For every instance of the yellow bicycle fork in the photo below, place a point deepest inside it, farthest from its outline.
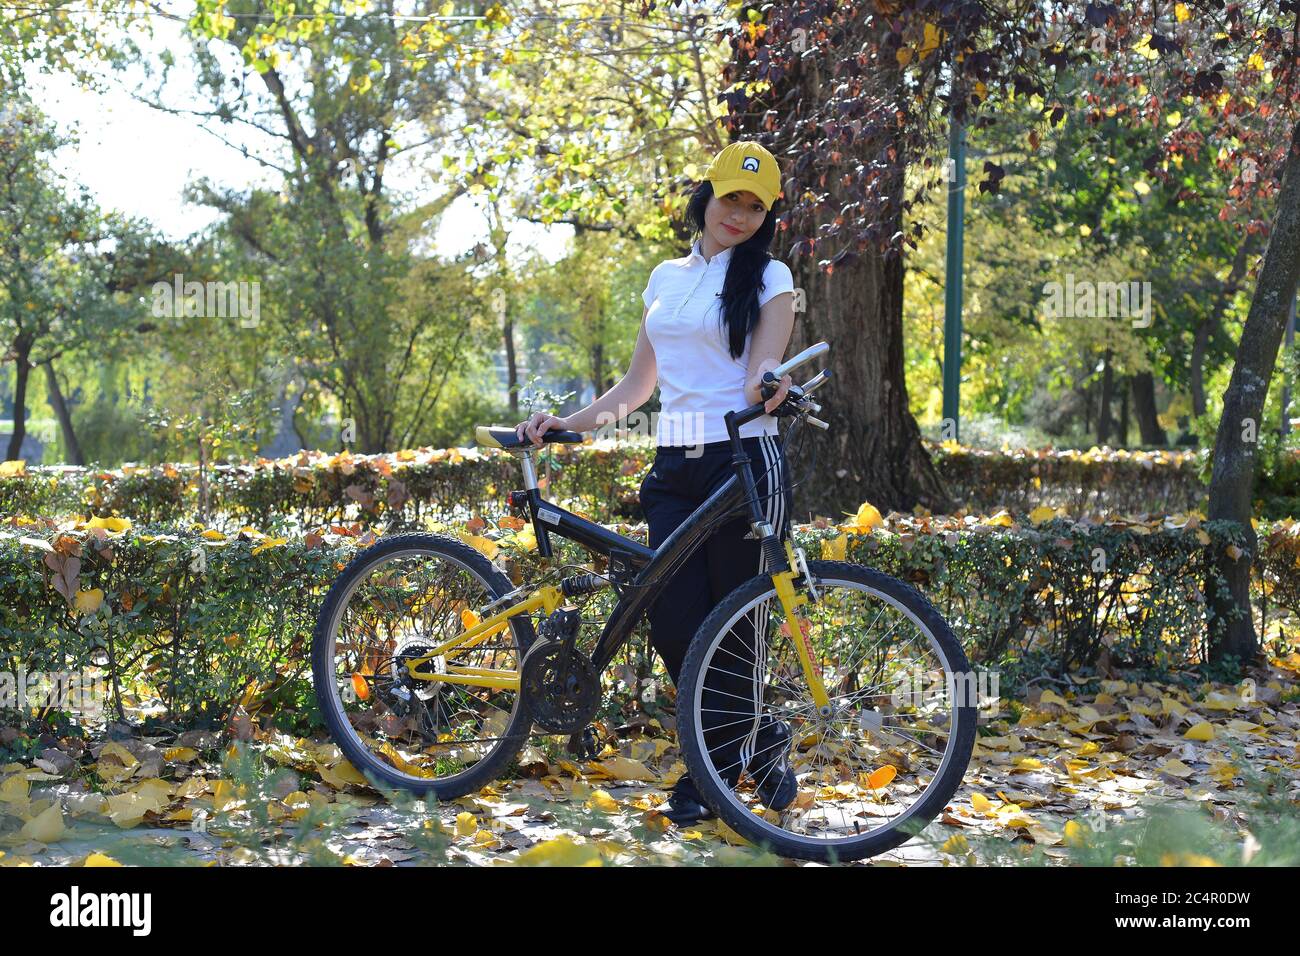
(790, 599)
(549, 598)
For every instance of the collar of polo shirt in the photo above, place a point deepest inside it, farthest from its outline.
(722, 256)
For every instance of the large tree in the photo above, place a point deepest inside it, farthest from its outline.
(57, 274)
(339, 106)
(1239, 66)
(1236, 443)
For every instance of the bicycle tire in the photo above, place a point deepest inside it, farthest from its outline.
(751, 826)
(485, 770)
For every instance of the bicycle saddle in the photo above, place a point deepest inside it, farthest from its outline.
(504, 436)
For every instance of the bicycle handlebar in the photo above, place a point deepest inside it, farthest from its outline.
(796, 401)
(807, 355)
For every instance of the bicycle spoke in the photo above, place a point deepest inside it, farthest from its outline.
(789, 686)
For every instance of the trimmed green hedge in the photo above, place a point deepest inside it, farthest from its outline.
(201, 633)
(391, 491)
(1101, 480)
(600, 479)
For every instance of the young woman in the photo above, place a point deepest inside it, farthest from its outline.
(715, 321)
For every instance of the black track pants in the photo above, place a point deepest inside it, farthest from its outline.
(675, 486)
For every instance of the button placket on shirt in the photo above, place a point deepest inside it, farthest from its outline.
(708, 264)
(690, 295)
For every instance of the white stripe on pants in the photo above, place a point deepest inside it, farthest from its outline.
(774, 514)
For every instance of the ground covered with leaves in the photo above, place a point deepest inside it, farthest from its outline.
(1085, 771)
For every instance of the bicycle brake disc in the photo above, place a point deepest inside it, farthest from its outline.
(561, 695)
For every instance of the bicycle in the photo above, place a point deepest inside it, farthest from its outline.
(431, 674)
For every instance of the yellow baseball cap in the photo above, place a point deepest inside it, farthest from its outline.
(742, 166)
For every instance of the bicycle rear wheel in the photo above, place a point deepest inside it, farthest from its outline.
(395, 602)
(875, 766)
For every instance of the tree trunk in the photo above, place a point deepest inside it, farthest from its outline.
(1123, 414)
(1144, 410)
(1103, 406)
(598, 367)
(1207, 326)
(1233, 476)
(512, 370)
(873, 450)
(60, 406)
(1196, 375)
(22, 355)
(286, 440)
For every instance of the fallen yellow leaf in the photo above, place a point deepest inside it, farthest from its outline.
(1002, 519)
(1042, 513)
(867, 518)
(109, 524)
(89, 601)
(47, 826)
(834, 549)
(624, 768)
(562, 851)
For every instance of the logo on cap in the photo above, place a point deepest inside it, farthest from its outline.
(750, 163)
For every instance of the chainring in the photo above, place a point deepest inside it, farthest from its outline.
(561, 698)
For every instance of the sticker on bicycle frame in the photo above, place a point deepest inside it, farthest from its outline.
(552, 517)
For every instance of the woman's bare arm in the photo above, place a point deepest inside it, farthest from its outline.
(767, 346)
(632, 391)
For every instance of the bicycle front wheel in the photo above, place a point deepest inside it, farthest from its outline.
(862, 773)
(410, 725)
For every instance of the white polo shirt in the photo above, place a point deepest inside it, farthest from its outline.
(699, 381)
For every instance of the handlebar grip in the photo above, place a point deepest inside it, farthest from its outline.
(807, 355)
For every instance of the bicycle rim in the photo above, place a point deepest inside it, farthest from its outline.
(395, 610)
(873, 771)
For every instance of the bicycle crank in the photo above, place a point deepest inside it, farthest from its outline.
(560, 687)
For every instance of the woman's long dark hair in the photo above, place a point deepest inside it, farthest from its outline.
(744, 281)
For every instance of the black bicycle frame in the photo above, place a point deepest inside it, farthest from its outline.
(653, 563)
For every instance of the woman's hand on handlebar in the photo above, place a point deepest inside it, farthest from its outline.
(783, 388)
(536, 426)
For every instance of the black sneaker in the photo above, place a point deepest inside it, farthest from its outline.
(775, 782)
(685, 805)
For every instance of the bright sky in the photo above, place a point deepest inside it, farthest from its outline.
(136, 159)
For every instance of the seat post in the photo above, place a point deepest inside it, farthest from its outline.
(530, 473)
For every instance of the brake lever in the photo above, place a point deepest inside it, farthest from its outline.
(805, 407)
(817, 381)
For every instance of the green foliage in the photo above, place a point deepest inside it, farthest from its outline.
(56, 36)
(56, 279)
(1060, 597)
(185, 621)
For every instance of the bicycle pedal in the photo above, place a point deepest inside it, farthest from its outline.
(585, 745)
